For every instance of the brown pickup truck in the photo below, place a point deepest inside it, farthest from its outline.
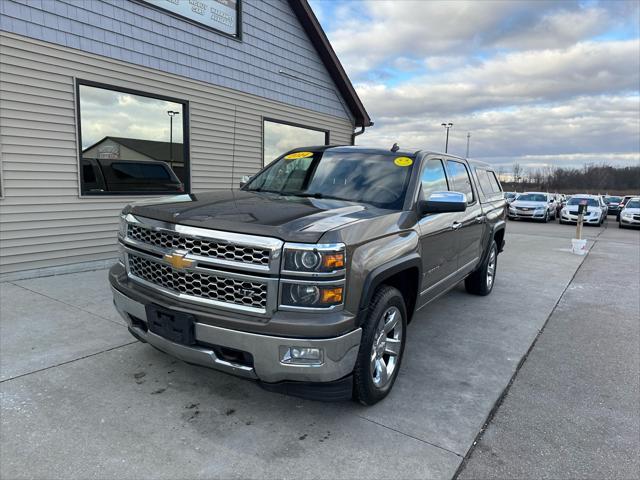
(305, 278)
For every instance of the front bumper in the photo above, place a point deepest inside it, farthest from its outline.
(569, 218)
(527, 214)
(629, 222)
(339, 352)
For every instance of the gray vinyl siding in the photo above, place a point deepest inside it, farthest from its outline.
(43, 220)
(272, 41)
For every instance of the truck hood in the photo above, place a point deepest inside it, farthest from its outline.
(289, 218)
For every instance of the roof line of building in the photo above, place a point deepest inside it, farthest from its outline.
(319, 39)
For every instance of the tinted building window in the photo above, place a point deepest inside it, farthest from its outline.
(131, 143)
(433, 178)
(280, 138)
(460, 178)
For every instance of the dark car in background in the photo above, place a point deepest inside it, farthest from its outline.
(614, 204)
(100, 175)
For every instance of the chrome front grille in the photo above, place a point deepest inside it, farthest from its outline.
(225, 270)
(201, 247)
(195, 284)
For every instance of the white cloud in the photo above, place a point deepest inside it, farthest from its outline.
(377, 32)
(538, 82)
(602, 129)
(588, 68)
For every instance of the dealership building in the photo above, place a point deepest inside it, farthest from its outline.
(105, 102)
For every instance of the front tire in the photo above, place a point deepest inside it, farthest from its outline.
(481, 281)
(382, 346)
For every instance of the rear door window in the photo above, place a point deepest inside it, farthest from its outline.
(495, 183)
(489, 185)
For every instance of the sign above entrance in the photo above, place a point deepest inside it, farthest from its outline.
(221, 15)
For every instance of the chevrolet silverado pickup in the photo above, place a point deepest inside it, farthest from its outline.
(306, 277)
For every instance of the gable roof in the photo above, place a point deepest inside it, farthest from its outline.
(320, 41)
(151, 148)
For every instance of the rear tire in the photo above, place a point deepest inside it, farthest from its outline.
(481, 281)
(382, 346)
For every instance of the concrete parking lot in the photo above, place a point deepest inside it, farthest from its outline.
(81, 399)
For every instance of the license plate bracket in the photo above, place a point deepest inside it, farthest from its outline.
(175, 326)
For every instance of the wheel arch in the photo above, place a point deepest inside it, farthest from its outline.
(403, 273)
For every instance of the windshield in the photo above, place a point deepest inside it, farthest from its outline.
(591, 202)
(633, 204)
(378, 179)
(612, 199)
(532, 197)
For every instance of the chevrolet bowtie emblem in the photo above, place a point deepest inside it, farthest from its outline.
(177, 260)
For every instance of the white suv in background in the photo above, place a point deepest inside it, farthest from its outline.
(533, 205)
(596, 210)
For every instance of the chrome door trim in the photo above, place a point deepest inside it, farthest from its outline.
(451, 275)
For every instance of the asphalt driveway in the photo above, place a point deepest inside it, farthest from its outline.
(80, 398)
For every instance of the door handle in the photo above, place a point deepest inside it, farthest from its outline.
(481, 218)
(456, 225)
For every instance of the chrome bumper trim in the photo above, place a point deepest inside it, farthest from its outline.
(339, 353)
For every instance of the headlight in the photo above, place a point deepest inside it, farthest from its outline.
(319, 269)
(302, 258)
(122, 228)
(627, 214)
(310, 295)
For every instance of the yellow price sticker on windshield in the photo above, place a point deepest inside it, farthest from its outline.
(403, 161)
(297, 155)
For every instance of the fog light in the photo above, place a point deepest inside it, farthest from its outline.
(301, 355)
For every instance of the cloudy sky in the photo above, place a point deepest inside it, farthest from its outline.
(536, 82)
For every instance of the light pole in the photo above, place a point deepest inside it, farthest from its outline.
(171, 114)
(446, 144)
(468, 137)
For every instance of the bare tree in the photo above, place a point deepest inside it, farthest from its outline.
(517, 172)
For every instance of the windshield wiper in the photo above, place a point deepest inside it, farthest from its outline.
(260, 189)
(316, 195)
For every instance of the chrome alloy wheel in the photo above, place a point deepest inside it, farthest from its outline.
(491, 268)
(387, 342)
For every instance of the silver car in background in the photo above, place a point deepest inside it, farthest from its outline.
(596, 212)
(630, 214)
(534, 206)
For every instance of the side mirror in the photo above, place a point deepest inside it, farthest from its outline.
(443, 202)
(244, 180)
